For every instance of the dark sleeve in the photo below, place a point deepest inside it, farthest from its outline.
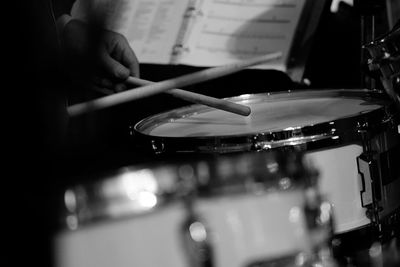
(61, 7)
(397, 25)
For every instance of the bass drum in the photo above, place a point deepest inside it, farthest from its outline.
(352, 137)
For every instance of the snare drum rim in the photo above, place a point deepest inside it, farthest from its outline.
(341, 131)
(114, 195)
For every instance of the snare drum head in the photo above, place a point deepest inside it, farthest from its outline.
(271, 113)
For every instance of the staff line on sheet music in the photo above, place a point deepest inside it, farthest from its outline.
(273, 20)
(285, 5)
(245, 36)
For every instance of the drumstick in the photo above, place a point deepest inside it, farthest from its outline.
(199, 99)
(191, 97)
(159, 87)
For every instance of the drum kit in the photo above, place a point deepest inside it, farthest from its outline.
(311, 178)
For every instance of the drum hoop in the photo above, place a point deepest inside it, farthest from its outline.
(93, 202)
(341, 131)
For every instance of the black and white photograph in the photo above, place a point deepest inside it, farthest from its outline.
(201, 133)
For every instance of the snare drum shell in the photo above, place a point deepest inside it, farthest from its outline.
(341, 183)
(255, 228)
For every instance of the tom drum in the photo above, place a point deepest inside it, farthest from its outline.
(243, 210)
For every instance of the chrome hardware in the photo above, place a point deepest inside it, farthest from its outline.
(323, 258)
(298, 140)
(319, 217)
(125, 192)
(131, 130)
(379, 184)
(366, 168)
(370, 170)
(299, 260)
(157, 146)
(194, 232)
(195, 236)
(341, 131)
(195, 241)
(384, 56)
(370, 191)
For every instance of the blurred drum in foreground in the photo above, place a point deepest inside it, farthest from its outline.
(237, 210)
(352, 136)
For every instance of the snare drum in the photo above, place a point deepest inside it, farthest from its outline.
(352, 136)
(242, 210)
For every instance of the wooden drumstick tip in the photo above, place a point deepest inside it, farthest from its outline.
(247, 113)
(216, 103)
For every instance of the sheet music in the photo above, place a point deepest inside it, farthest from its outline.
(158, 23)
(221, 32)
(230, 30)
(151, 26)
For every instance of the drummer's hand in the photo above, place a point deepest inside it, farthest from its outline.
(108, 57)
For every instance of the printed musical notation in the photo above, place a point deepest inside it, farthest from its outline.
(151, 26)
(154, 28)
(206, 32)
(238, 29)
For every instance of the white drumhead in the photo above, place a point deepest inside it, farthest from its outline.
(266, 116)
